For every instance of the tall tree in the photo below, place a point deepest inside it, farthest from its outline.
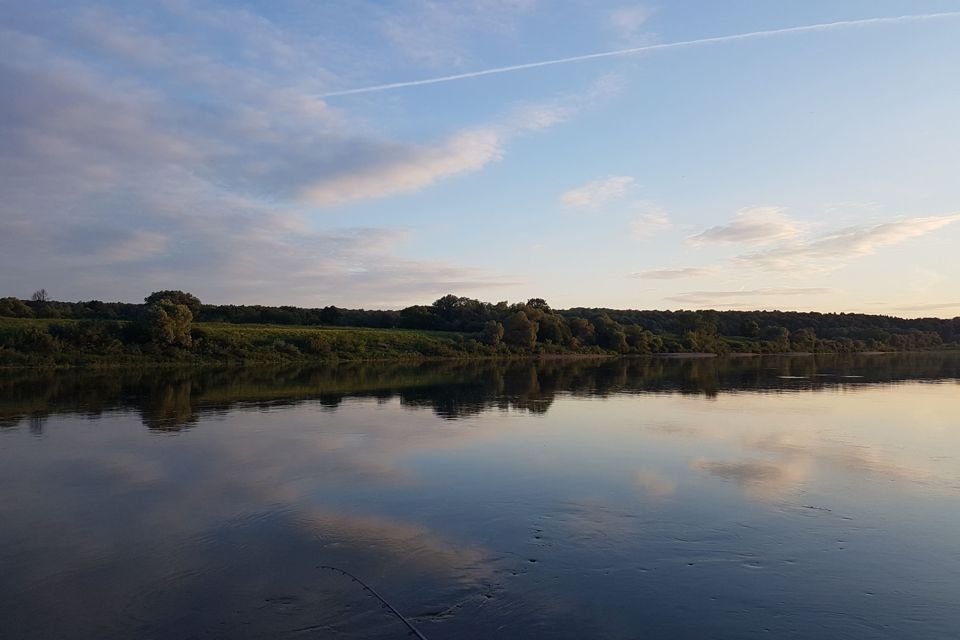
(610, 334)
(519, 331)
(492, 333)
(177, 297)
(553, 329)
(583, 331)
(168, 324)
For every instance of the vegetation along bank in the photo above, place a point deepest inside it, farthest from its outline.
(174, 326)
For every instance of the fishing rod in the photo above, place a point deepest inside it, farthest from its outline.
(369, 589)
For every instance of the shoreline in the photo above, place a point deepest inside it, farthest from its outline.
(537, 357)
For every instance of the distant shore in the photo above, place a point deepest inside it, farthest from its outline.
(174, 327)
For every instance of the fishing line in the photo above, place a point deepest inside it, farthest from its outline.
(376, 595)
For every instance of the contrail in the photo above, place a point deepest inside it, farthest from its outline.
(825, 26)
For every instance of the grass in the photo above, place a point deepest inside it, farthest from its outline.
(12, 325)
(333, 342)
(264, 331)
(225, 342)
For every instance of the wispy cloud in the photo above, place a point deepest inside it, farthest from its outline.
(650, 223)
(674, 274)
(597, 193)
(834, 250)
(182, 165)
(758, 479)
(140, 245)
(628, 21)
(434, 33)
(414, 169)
(654, 484)
(403, 168)
(933, 306)
(708, 297)
(755, 225)
(826, 26)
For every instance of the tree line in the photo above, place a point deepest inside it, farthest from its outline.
(168, 320)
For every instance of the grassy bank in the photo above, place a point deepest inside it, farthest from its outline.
(45, 342)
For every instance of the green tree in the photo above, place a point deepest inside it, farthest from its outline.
(14, 308)
(639, 340)
(539, 303)
(519, 331)
(553, 330)
(492, 333)
(168, 324)
(583, 331)
(447, 306)
(777, 338)
(803, 340)
(750, 329)
(610, 334)
(175, 296)
(330, 315)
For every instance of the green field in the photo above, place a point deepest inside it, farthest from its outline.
(334, 342)
(72, 342)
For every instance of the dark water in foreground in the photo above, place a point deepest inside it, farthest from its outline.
(751, 498)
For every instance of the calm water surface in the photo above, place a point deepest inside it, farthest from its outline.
(742, 498)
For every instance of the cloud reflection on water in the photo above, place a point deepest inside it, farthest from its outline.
(480, 496)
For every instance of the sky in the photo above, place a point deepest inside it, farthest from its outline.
(377, 154)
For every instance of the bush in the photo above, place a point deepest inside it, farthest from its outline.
(168, 324)
(14, 308)
(37, 340)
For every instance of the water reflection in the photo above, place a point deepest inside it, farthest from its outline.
(173, 399)
(798, 497)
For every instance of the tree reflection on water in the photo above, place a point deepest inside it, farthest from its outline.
(172, 399)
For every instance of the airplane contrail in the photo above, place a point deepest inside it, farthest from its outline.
(825, 26)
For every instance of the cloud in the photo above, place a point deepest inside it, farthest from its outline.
(756, 225)
(746, 472)
(406, 168)
(531, 117)
(265, 58)
(435, 33)
(833, 250)
(204, 159)
(139, 245)
(674, 274)
(776, 454)
(595, 194)
(648, 224)
(358, 266)
(934, 306)
(758, 479)
(415, 169)
(858, 459)
(627, 21)
(707, 297)
(653, 484)
(537, 117)
(284, 478)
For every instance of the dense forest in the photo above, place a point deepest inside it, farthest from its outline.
(176, 325)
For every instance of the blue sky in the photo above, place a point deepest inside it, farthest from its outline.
(210, 147)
